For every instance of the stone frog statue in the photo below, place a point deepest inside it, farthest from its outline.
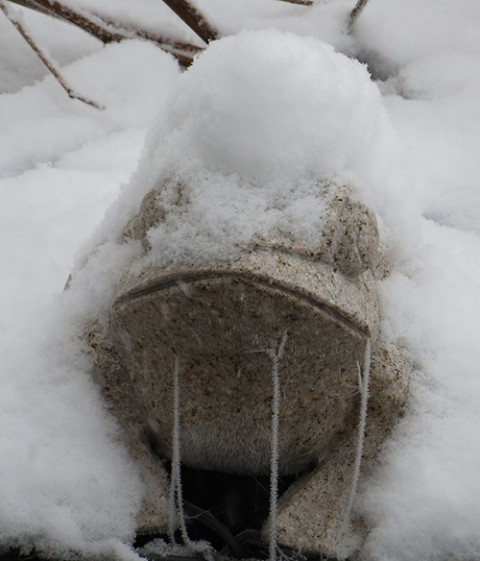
(269, 365)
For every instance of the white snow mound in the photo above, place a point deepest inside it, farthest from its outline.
(271, 104)
(255, 132)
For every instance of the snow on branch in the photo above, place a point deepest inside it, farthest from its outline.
(109, 31)
(275, 356)
(357, 10)
(50, 64)
(182, 51)
(193, 18)
(299, 2)
(82, 19)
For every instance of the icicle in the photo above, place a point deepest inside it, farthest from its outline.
(362, 421)
(176, 491)
(276, 357)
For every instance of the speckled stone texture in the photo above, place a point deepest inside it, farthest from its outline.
(221, 320)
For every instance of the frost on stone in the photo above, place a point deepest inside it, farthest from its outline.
(248, 223)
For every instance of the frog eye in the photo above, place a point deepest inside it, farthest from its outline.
(354, 243)
(151, 214)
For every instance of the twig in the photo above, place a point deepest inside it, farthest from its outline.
(176, 489)
(52, 67)
(364, 382)
(111, 32)
(275, 356)
(357, 10)
(193, 18)
(300, 2)
(82, 20)
(183, 52)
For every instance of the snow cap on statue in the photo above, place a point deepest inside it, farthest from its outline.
(269, 105)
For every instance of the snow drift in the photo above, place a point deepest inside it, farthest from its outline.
(62, 473)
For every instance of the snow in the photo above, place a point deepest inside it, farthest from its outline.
(246, 129)
(66, 482)
(324, 118)
(325, 125)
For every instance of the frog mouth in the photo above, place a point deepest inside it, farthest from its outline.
(221, 326)
(224, 330)
(351, 301)
(183, 280)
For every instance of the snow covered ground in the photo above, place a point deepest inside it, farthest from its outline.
(65, 481)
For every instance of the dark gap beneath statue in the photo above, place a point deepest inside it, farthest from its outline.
(227, 510)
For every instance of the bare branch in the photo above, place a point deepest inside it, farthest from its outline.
(183, 52)
(357, 10)
(300, 2)
(52, 67)
(89, 24)
(193, 18)
(110, 32)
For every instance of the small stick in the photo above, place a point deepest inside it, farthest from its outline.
(111, 32)
(354, 14)
(299, 2)
(182, 51)
(83, 20)
(363, 385)
(276, 356)
(44, 58)
(193, 18)
(176, 490)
